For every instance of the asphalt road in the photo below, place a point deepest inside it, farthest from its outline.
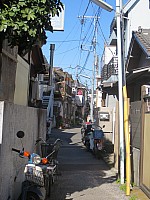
(83, 177)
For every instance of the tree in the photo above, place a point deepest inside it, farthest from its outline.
(24, 22)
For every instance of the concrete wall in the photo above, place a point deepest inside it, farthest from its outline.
(136, 165)
(21, 82)
(33, 122)
(8, 73)
(135, 122)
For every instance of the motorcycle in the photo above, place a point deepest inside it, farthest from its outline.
(97, 141)
(85, 132)
(38, 174)
(50, 151)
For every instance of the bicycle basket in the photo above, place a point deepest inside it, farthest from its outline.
(34, 174)
(46, 149)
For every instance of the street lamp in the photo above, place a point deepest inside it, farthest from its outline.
(103, 5)
(109, 8)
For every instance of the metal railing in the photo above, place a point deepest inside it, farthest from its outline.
(110, 69)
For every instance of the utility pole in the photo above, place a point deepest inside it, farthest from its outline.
(120, 87)
(51, 84)
(109, 8)
(76, 82)
(94, 65)
(94, 42)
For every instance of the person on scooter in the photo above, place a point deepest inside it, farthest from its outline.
(88, 127)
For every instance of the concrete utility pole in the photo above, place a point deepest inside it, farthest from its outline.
(120, 87)
(109, 8)
(94, 42)
(94, 65)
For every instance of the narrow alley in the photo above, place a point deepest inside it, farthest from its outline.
(83, 177)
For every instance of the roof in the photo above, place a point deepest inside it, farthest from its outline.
(126, 8)
(143, 39)
(140, 43)
(139, 49)
(129, 5)
(38, 60)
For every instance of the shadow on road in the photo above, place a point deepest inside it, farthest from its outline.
(81, 172)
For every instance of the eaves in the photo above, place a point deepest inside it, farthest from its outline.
(129, 5)
(136, 73)
(142, 45)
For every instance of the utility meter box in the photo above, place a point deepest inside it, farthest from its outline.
(145, 95)
(104, 116)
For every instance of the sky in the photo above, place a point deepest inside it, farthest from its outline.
(68, 53)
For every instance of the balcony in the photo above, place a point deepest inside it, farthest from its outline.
(110, 70)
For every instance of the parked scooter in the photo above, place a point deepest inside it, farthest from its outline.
(50, 151)
(97, 141)
(39, 173)
(33, 186)
(85, 132)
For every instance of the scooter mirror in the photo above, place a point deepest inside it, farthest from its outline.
(103, 126)
(38, 140)
(20, 134)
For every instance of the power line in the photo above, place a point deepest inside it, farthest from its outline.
(60, 41)
(80, 6)
(67, 36)
(85, 61)
(67, 51)
(105, 38)
(86, 9)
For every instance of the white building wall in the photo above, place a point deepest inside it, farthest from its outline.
(138, 15)
(109, 52)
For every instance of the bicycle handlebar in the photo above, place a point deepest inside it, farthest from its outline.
(16, 150)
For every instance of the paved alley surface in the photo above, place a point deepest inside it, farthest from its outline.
(83, 177)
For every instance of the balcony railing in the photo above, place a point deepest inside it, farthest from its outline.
(110, 69)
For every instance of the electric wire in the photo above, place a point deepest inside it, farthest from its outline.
(85, 40)
(60, 41)
(70, 33)
(96, 14)
(80, 54)
(67, 50)
(86, 9)
(94, 34)
(105, 39)
(67, 36)
(80, 7)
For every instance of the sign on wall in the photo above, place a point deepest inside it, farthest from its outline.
(57, 22)
(104, 116)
